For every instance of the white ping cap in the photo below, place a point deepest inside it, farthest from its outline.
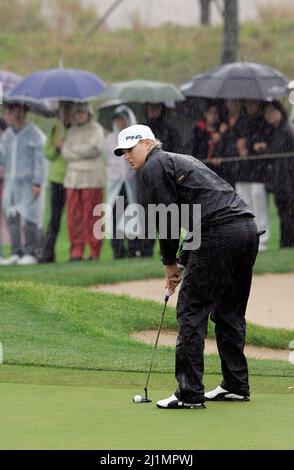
(130, 136)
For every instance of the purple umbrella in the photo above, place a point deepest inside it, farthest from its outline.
(60, 85)
(10, 81)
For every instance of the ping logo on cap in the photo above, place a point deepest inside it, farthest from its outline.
(132, 137)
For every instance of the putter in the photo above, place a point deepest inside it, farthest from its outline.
(146, 399)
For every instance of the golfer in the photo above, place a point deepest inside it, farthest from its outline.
(217, 276)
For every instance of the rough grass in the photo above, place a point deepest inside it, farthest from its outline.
(69, 327)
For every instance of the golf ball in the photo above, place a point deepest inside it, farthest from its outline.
(137, 399)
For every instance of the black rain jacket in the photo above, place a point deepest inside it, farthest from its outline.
(169, 178)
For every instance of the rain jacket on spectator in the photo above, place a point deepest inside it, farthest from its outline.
(226, 148)
(281, 170)
(23, 160)
(202, 145)
(164, 131)
(254, 130)
(82, 151)
(58, 164)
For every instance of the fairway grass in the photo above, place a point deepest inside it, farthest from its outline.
(94, 410)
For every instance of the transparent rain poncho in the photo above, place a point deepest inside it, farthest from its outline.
(23, 159)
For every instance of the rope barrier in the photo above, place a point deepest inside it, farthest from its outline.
(239, 159)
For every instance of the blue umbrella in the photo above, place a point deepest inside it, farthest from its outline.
(60, 85)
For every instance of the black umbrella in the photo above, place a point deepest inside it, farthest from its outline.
(238, 80)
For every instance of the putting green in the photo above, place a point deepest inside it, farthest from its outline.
(100, 414)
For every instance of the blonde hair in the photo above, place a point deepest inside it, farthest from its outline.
(155, 143)
(158, 143)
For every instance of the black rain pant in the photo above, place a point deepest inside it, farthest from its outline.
(216, 281)
(286, 213)
(58, 196)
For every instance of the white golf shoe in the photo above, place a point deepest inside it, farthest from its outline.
(10, 261)
(173, 402)
(27, 260)
(220, 394)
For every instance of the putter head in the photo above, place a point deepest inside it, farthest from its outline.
(146, 399)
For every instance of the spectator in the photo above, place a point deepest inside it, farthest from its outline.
(42, 205)
(251, 175)
(156, 119)
(282, 169)
(23, 158)
(2, 129)
(84, 180)
(56, 177)
(205, 134)
(121, 181)
(231, 141)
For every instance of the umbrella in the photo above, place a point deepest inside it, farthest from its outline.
(10, 81)
(143, 91)
(238, 80)
(106, 111)
(60, 85)
(44, 108)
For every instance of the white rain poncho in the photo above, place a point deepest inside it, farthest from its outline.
(24, 166)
